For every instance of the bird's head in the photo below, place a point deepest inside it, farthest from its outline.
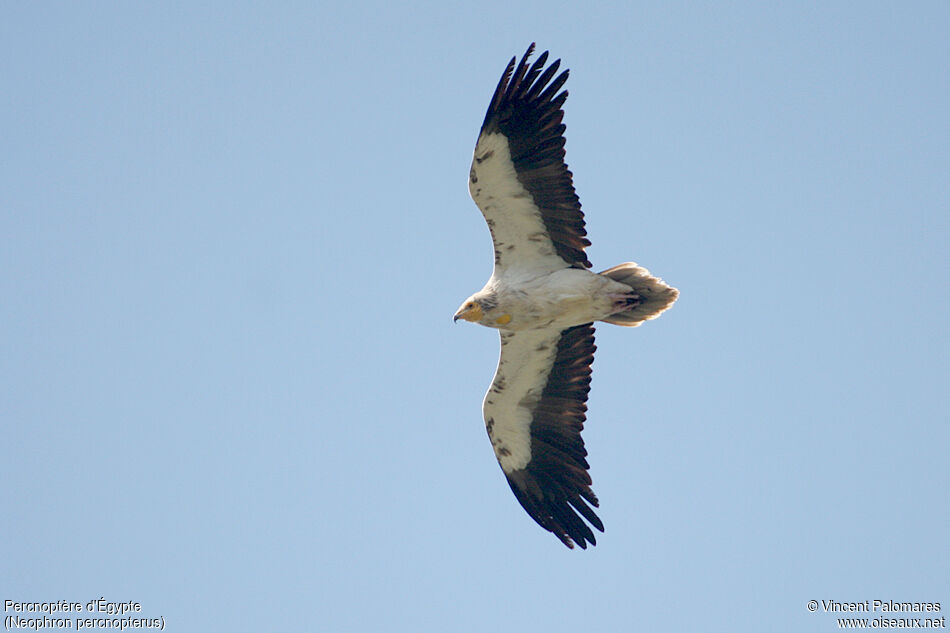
(482, 307)
(471, 310)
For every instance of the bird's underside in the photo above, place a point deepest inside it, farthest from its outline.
(543, 299)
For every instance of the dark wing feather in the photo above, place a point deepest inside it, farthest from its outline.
(555, 487)
(526, 109)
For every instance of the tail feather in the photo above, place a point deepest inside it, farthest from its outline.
(651, 295)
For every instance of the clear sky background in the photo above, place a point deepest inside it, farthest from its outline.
(233, 239)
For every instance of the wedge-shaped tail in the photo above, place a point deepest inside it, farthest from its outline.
(652, 295)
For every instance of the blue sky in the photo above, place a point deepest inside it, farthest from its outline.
(234, 238)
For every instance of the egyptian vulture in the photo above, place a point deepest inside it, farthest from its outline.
(543, 300)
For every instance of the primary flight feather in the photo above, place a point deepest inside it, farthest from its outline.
(543, 300)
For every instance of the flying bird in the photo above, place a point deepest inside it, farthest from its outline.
(543, 300)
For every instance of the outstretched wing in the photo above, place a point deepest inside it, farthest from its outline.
(518, 177)
(534, 414)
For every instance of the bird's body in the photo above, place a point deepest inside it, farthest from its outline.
(556, 299)
(543, 299)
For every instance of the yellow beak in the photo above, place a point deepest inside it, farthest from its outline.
(469, 313)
